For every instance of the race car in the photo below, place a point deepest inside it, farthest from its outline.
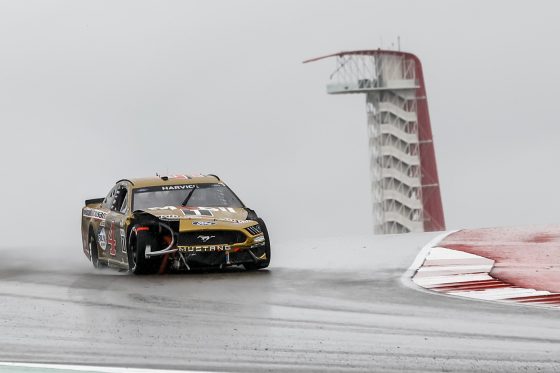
(178, 222)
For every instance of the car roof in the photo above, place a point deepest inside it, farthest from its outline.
(171, 180)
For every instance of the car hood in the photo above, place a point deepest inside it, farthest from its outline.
(194, 218)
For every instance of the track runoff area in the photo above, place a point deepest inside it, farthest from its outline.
(512, 265)
(473, 300)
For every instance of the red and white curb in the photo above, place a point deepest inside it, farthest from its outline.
(462, 274)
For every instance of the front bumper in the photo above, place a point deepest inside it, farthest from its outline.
(235, 256)
(213, 247)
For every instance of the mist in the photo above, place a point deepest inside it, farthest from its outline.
(95, 91)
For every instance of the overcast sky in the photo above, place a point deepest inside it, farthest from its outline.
(94, 91)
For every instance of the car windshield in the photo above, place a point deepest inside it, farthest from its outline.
(207, 195)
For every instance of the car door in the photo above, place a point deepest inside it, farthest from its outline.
(100, 224)
(116, 226)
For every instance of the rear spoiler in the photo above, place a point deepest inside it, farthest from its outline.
(94, 201)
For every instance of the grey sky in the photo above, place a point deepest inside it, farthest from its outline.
(92, 91)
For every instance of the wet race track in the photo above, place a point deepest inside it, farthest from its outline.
(330, 305)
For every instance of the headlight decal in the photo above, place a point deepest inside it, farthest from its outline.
(254, 229)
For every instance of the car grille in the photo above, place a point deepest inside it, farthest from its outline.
(211, 259)
(203, 238)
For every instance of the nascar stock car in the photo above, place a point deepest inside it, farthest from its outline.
(178, 222)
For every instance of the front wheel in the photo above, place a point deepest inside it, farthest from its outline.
(262, 263)
(137, 261)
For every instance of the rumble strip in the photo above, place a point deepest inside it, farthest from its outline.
(457, 273)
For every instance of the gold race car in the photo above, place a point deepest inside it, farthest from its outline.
(179, 222)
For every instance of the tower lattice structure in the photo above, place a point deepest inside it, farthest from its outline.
(404, 179)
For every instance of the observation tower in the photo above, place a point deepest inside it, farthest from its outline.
(404, 178)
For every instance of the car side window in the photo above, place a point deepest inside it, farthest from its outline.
(119, 201)
(124, 205)
(108, 201)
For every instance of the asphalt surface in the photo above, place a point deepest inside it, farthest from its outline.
(324, 305)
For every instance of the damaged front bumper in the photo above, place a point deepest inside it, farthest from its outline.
(191, 249)
(212, 258)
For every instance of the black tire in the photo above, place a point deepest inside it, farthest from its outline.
(137, 261)
(94, 251)
(261, 263)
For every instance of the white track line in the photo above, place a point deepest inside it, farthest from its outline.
(419, 260)
(499, 294)
(444, 270)
(441, 256)
(452, 279)
(91, 369)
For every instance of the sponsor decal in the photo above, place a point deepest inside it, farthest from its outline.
(94, 214)
(111, 240)
(169, 217)
(102, 239)
(175, 212)
(206, 211)
(183, 177)
(197, 211)
(203, 223)
(199, 249)
(178, 187)
(123, 240)
(163, 208)
(234, 220)
(205, 238)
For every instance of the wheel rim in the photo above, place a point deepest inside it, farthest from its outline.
(134, 255)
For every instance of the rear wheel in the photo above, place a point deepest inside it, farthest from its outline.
(260, 264)
(94, 251)
(137, 261)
